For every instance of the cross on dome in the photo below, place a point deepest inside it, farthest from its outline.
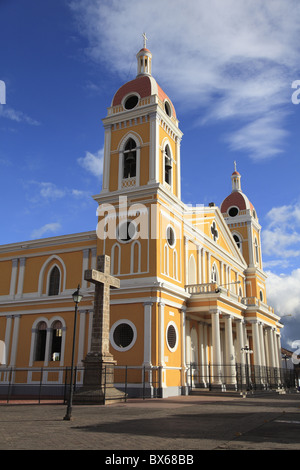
(145, 40)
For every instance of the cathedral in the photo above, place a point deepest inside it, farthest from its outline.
(192, 302)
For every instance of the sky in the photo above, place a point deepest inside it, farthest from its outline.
(232, 71)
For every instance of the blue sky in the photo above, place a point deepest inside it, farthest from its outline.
(227, 65)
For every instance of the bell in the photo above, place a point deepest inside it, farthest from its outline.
(130, 158)
(168, 165)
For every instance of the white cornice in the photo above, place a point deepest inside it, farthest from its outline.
(47, 242)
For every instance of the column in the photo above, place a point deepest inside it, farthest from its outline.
(199, 264)
(240, 341)
(262, 346)
(270, 347)
(203, 266)
(187, 342)
(275, 348)
(147, 333)
(216, 347)
(230, 359)
(256, 343)
(202, 378)
(47, 348)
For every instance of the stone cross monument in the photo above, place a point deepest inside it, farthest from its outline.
(99, 363)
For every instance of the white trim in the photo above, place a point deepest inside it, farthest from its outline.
(172, 323)
(138, 140)
(132, 93)
(111, 335)
(42, 273)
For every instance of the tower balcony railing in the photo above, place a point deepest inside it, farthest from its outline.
(212, 288)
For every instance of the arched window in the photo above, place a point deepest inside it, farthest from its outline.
(40, 345)
(54, 281)
(237, 241)
(56, 341)
(129, 162)
(168, 165)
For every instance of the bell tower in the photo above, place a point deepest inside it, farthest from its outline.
(142, 137)
(241, 218)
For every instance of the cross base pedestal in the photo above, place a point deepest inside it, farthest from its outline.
(98, 382)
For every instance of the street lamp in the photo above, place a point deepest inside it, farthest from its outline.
(77, 298)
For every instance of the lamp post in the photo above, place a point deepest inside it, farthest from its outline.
(77, 298)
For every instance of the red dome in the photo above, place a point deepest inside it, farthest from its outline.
(237, 199)
(145, 86)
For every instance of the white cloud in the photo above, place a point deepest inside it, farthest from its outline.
(50, 191)
(17, 116)
(93, 163)
(52, 228)
(281, 237)
(226, 59)
(284, 293)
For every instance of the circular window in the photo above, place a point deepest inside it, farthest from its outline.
(131, 102)
(168, 108)
(233, 211)
(123, 335)
(171, 239)
(126, 231)
(172, 336)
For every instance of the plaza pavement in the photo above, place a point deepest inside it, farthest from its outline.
(187, 423)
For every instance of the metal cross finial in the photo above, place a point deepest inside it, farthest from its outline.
(145, 40)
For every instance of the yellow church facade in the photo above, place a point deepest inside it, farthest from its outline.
(192, 296)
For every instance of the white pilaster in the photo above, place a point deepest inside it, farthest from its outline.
(13, 279)
(106, 159)
(21, 277)
(15, 339)
(85, 265)
(147, 333)
(9, 319)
